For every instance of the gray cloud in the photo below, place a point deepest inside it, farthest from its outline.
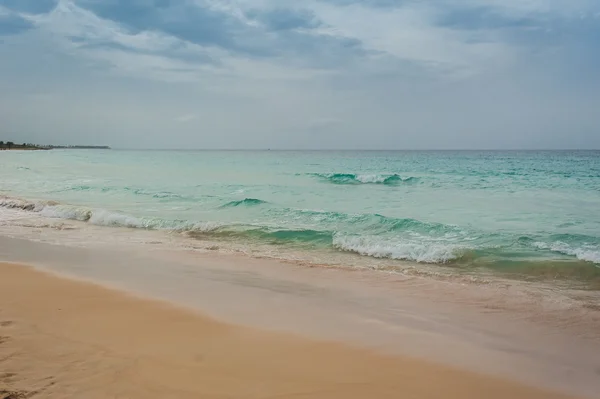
(321, 74)
(279, 19)
(198, 25)
(482, 17)
(13, 24)
(370, 3)
(201, 24)
(30, 6)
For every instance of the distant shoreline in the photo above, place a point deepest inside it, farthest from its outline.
(45, 148)
(24, 149)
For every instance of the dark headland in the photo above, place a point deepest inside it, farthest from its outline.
(9, 145)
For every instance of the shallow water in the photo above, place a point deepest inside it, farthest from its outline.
(528, 215)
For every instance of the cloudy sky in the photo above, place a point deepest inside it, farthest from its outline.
(402, 74)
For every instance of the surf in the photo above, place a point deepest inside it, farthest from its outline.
(355, 179)
(244, 202)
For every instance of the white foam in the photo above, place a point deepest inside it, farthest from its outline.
(107, 218)
(205, 227)
(16, 203)
(377, 247)
(25, 205)
(588, 253)
(65, 212)
(371, 178)
(102, 217)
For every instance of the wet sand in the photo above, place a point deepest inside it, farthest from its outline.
(64, 338)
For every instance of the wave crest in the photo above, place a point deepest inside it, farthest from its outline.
(16, 203)
(371, 235)
(377, 247)
(66, 212)
(352, 178)
(244, 202)
(585, 252)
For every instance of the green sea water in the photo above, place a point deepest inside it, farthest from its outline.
(532, 214)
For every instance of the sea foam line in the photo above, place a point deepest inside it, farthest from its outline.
(586, 252)
(377, 247)
(383, 237)
(102, 217)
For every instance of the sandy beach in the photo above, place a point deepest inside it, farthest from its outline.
(62, 338)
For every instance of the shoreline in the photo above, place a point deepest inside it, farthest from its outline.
(62, 337)
(75, 147)
(569, 272)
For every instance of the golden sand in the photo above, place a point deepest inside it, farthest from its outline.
(61, 338)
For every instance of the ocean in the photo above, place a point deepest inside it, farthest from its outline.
(479, 215)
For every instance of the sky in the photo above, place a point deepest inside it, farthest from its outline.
(312, 74)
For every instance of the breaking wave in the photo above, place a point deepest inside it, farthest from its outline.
(351, 178)
(585, 251)
(244, 202)
(102, 217)
(378, 247)
(66, 212)
(370, 235)
(325, 237)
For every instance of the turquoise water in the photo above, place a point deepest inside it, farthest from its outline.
(530, 213)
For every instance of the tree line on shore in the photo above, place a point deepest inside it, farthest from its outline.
(10, 145)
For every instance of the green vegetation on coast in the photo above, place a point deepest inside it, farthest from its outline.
(9, 145)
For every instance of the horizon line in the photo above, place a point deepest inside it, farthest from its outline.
(353, 149)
